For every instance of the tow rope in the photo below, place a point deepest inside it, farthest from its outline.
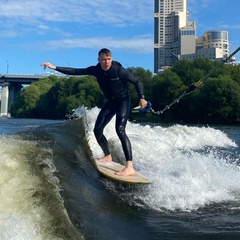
(188, 90)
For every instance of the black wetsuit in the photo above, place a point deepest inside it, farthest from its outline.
(114, 84)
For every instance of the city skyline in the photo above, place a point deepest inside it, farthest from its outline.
(71, 33)
(175, 36)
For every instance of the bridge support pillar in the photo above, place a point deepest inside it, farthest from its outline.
(4, 100)
(9, 93)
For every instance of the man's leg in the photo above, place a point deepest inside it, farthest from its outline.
(104, 117)
(122, 113)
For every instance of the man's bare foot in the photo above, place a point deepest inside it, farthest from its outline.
(107, 158)
(127, 171)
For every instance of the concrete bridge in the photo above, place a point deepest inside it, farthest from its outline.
(11, 86)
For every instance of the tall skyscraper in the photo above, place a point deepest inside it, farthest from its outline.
(175, 37)
(169, 17)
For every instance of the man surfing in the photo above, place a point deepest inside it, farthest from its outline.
(113, 79)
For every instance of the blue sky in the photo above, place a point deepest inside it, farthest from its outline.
(71, 32)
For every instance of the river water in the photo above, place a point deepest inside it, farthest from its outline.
(49, 188)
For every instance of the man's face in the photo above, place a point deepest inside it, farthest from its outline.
(105, 61)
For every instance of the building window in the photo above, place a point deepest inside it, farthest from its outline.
(225, 36)
(156, 7)
(188, 32)
(216, 35)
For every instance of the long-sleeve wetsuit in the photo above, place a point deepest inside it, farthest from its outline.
(114, 84)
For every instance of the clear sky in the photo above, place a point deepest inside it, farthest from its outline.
(71, 32)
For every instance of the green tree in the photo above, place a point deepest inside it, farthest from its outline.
(218, 101)
(145, 77)
(71, 93)
(182, 68)
(166, 87)
(233, 71)
(28, 99)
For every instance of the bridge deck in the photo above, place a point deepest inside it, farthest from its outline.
(21, 79)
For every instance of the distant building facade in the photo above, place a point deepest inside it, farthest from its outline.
(175, 37)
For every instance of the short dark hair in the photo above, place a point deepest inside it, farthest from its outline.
(104, 51)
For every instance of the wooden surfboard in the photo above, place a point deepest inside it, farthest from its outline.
(108, 169)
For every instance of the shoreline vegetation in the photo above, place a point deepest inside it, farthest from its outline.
(217, 101)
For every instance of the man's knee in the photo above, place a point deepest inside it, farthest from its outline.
(97, 131)
(120, 131)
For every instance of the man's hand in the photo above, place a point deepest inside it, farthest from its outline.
(48, 64)
(143, 103)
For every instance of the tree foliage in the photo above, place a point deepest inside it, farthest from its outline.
(54, 98)
(217, 100)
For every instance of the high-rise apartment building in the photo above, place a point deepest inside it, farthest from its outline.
(175, 37)
(169, 17)
(217, 39)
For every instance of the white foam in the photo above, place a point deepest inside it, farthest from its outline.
(13, 227)
(185, 176)
(22, 214)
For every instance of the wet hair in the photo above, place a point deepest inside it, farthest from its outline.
(104, 51)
